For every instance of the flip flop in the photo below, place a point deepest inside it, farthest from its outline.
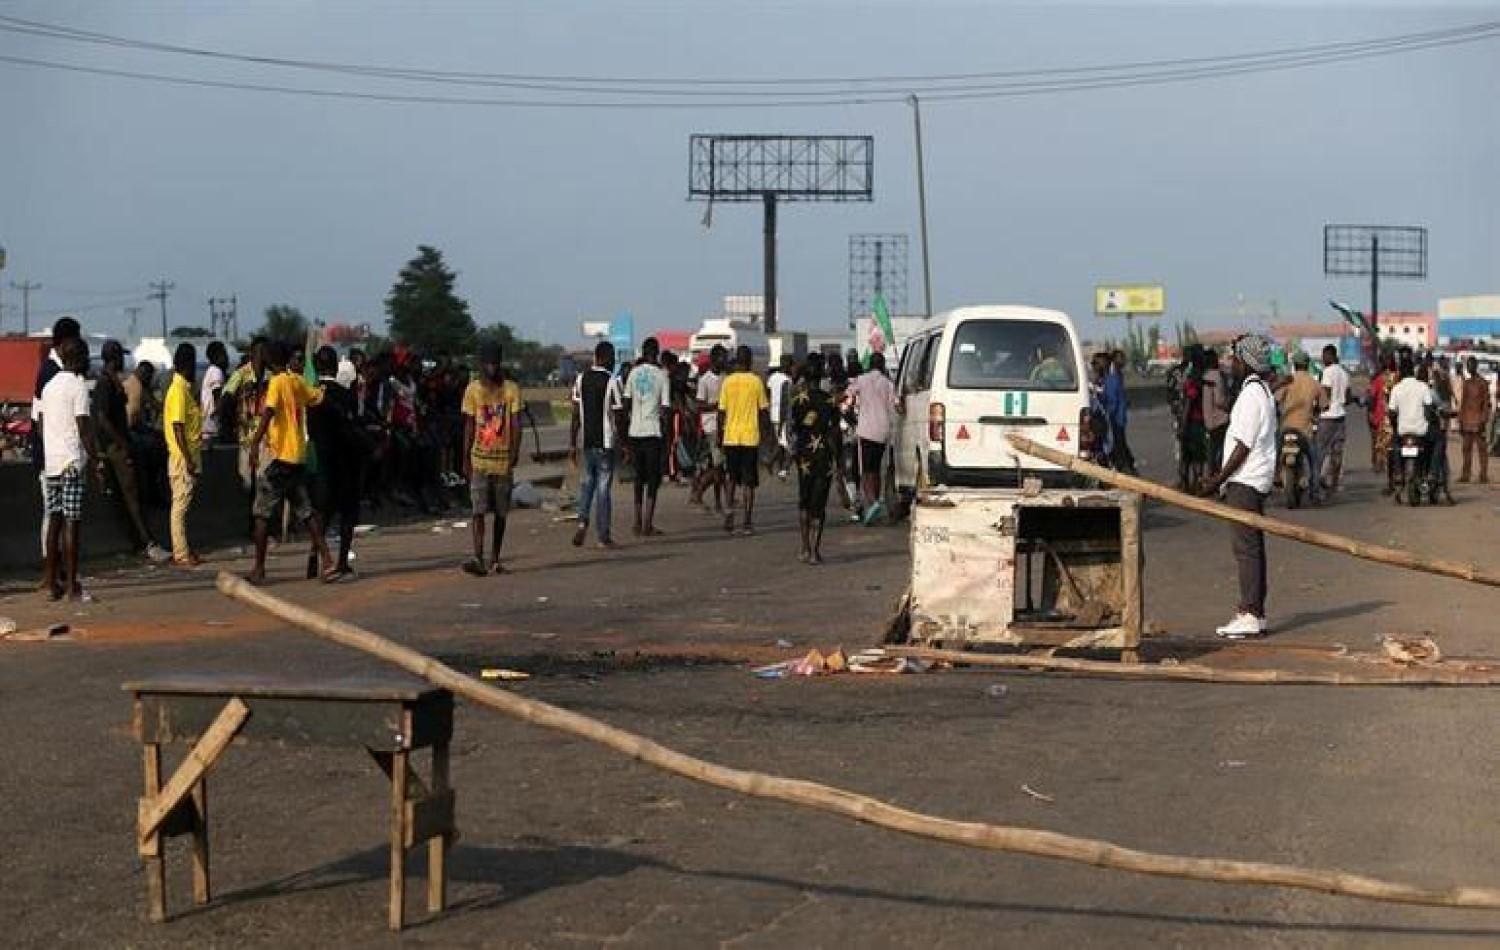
(498, 568)
(474, 568)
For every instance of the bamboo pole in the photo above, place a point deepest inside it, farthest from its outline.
(1322, 539)
(1198, 673)
(861, 808)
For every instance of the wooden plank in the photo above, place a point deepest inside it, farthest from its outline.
(376, 687)
(156, 868)
(1130, 569)
(375, 724)
(437, 846)
(426, 817)
(399, 766)
(200, 758)
(853, 805)
(201, 889)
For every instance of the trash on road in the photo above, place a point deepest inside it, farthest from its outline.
(7, 626)
(544, 599)
(1411, 651)
(460, 525)
(360, 530)
(496, 673)
(784, 644)
(996, 690)
(1039, 796)
(58, 631)
(525, 495)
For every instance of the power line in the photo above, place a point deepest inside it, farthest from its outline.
(553, 82)
(160, 289)
(1241, 64)
(26, 287)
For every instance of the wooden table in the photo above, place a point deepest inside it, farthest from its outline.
(390, 716)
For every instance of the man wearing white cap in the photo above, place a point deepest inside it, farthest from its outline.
(1246, 475)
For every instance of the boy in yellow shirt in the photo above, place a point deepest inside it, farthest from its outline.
(492, 444)
(743, 410)
(182, 418)
(282, 426)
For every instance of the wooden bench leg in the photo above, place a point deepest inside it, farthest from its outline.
(437, 846)
(399, 767)
(151, 849)
(202, 893)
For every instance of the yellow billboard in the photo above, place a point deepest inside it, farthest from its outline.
(1121, 299)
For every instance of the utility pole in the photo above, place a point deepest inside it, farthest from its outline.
(1375, 288)
(916, 116)
(160, 290)
(26, 287)
(769, 304)
(132, 314)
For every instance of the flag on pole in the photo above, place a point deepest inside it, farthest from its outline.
(886, 337)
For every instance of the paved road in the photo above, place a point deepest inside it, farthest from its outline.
(566, 845)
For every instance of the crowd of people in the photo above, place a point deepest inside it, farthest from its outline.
(713, 427)
(1231, 415)
(319, 439)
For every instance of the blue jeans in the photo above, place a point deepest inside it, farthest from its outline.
(594, 490)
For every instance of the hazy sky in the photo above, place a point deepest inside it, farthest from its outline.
(1219, 189)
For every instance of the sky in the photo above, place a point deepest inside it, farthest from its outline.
(1218, 189)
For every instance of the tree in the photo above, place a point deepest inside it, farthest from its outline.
(285, 324)
(423, 310)
(190, 333)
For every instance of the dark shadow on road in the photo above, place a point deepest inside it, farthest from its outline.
(507, 875)
(1310, 618)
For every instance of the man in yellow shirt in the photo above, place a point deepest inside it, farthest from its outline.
(1300, 401)
(492, 443)
(743, 410)
(182, 420)
(283, 427)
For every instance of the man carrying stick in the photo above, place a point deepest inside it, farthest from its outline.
(1246, 475)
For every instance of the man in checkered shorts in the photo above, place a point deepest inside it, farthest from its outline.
(68, 443)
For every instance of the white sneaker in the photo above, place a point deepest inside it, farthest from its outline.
(1242, 627)
(156, 554)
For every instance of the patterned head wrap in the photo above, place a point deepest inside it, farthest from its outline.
(1254, 351)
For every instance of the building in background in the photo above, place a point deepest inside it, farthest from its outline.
(1416, 329)
(1310, 338)
(1469, 319)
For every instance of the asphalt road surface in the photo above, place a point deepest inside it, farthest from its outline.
(567, 845)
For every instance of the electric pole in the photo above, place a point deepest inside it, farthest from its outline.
(160, 290)
(26, 287)
(916, 117)
(131, 314)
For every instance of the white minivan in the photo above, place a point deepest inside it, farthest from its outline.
(970, 377)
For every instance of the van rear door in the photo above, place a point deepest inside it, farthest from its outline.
(1010, 375)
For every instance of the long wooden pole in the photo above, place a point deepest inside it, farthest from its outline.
(851, 804)
(1322, 539)
(1198, 673)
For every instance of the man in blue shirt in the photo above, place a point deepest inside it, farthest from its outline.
(1116, 407)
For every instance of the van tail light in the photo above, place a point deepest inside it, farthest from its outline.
(1085, 433)
(935, 417)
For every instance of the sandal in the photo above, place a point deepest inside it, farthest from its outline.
(473, 568)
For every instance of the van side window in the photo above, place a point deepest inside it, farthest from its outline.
(909, 357)
(929, 362)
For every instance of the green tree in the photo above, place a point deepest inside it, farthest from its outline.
(527, 360)
(423, 310)
(285, 324)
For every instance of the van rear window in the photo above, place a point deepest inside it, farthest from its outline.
(1012, 354)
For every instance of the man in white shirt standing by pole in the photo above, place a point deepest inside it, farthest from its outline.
(1330, 432)
(1246, 475)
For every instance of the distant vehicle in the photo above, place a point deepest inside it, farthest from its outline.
(730, 334)
(974, 375)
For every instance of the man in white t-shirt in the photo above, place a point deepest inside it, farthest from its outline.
(1410, 402)
(710, 451)
(647, 399)
(1246, 475)
(1330, 432)
(779, 385)
(68, 445)
(212, 386)
(874, 398)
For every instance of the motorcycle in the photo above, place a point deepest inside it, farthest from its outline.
(15, 430)
(1295, 465)
(1413, 470)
